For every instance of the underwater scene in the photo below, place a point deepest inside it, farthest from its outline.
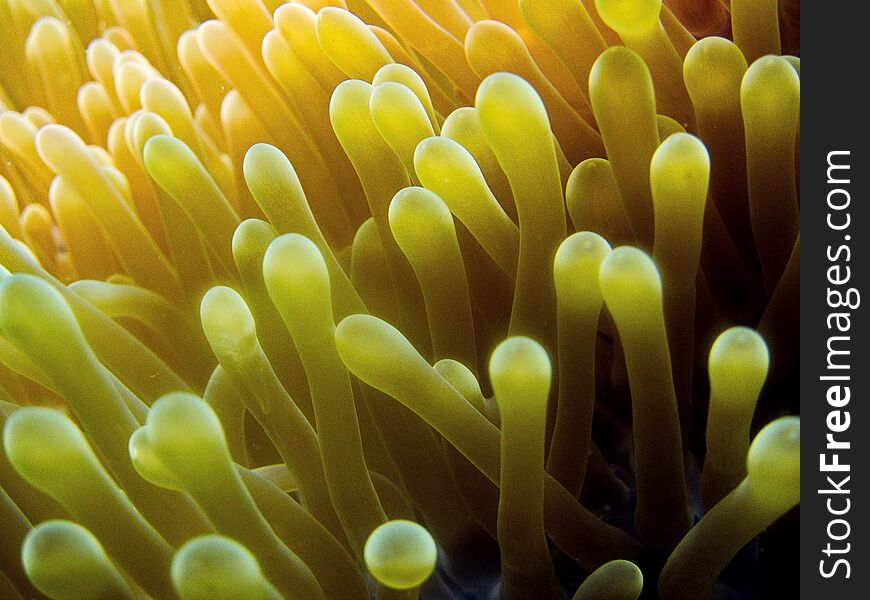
(399, 299)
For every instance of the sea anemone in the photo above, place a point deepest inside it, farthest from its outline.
(373, 298)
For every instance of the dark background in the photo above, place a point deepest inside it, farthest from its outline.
(834, 116)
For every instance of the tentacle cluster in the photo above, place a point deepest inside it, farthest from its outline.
(396, 299)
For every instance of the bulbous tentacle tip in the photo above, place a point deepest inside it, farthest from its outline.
(215, 567)
(182, 430)
(707, 66)
(459, 376)
(53, 138)
(739, 354)
(405, 75)
(294, 271)
(25, 300)
(627, 276)
(771, 85)
(507, 103)
(147, 464)
(391, 98)
(248, 233)
(400, 554)
(629, 18)
(520, 368)
(350, 93)
(259, 159)
(415, 209)
(396, 72)
(365, 339)
(353, 326)
(613, 67)
(36, 439)
(228, 323)
(582, 245)
(681, 152)
(576, 266)
(158, 149)
(679, 182)
(615, 580)
(65, 561)
(349, 43)
(773, 464)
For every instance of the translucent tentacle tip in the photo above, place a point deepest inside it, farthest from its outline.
(228, 323)
(773, 464)
(214, 567)
(400, 554)
(460, 377)
(65, 561)
(520, 370)
(184, 434)
(629, 18)
(36, 317)
(630, 282)
(148, 465)
(739, 358)
(295, 272)
(509, 109)
(37, 439)
(576, 267)
(615, 580)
